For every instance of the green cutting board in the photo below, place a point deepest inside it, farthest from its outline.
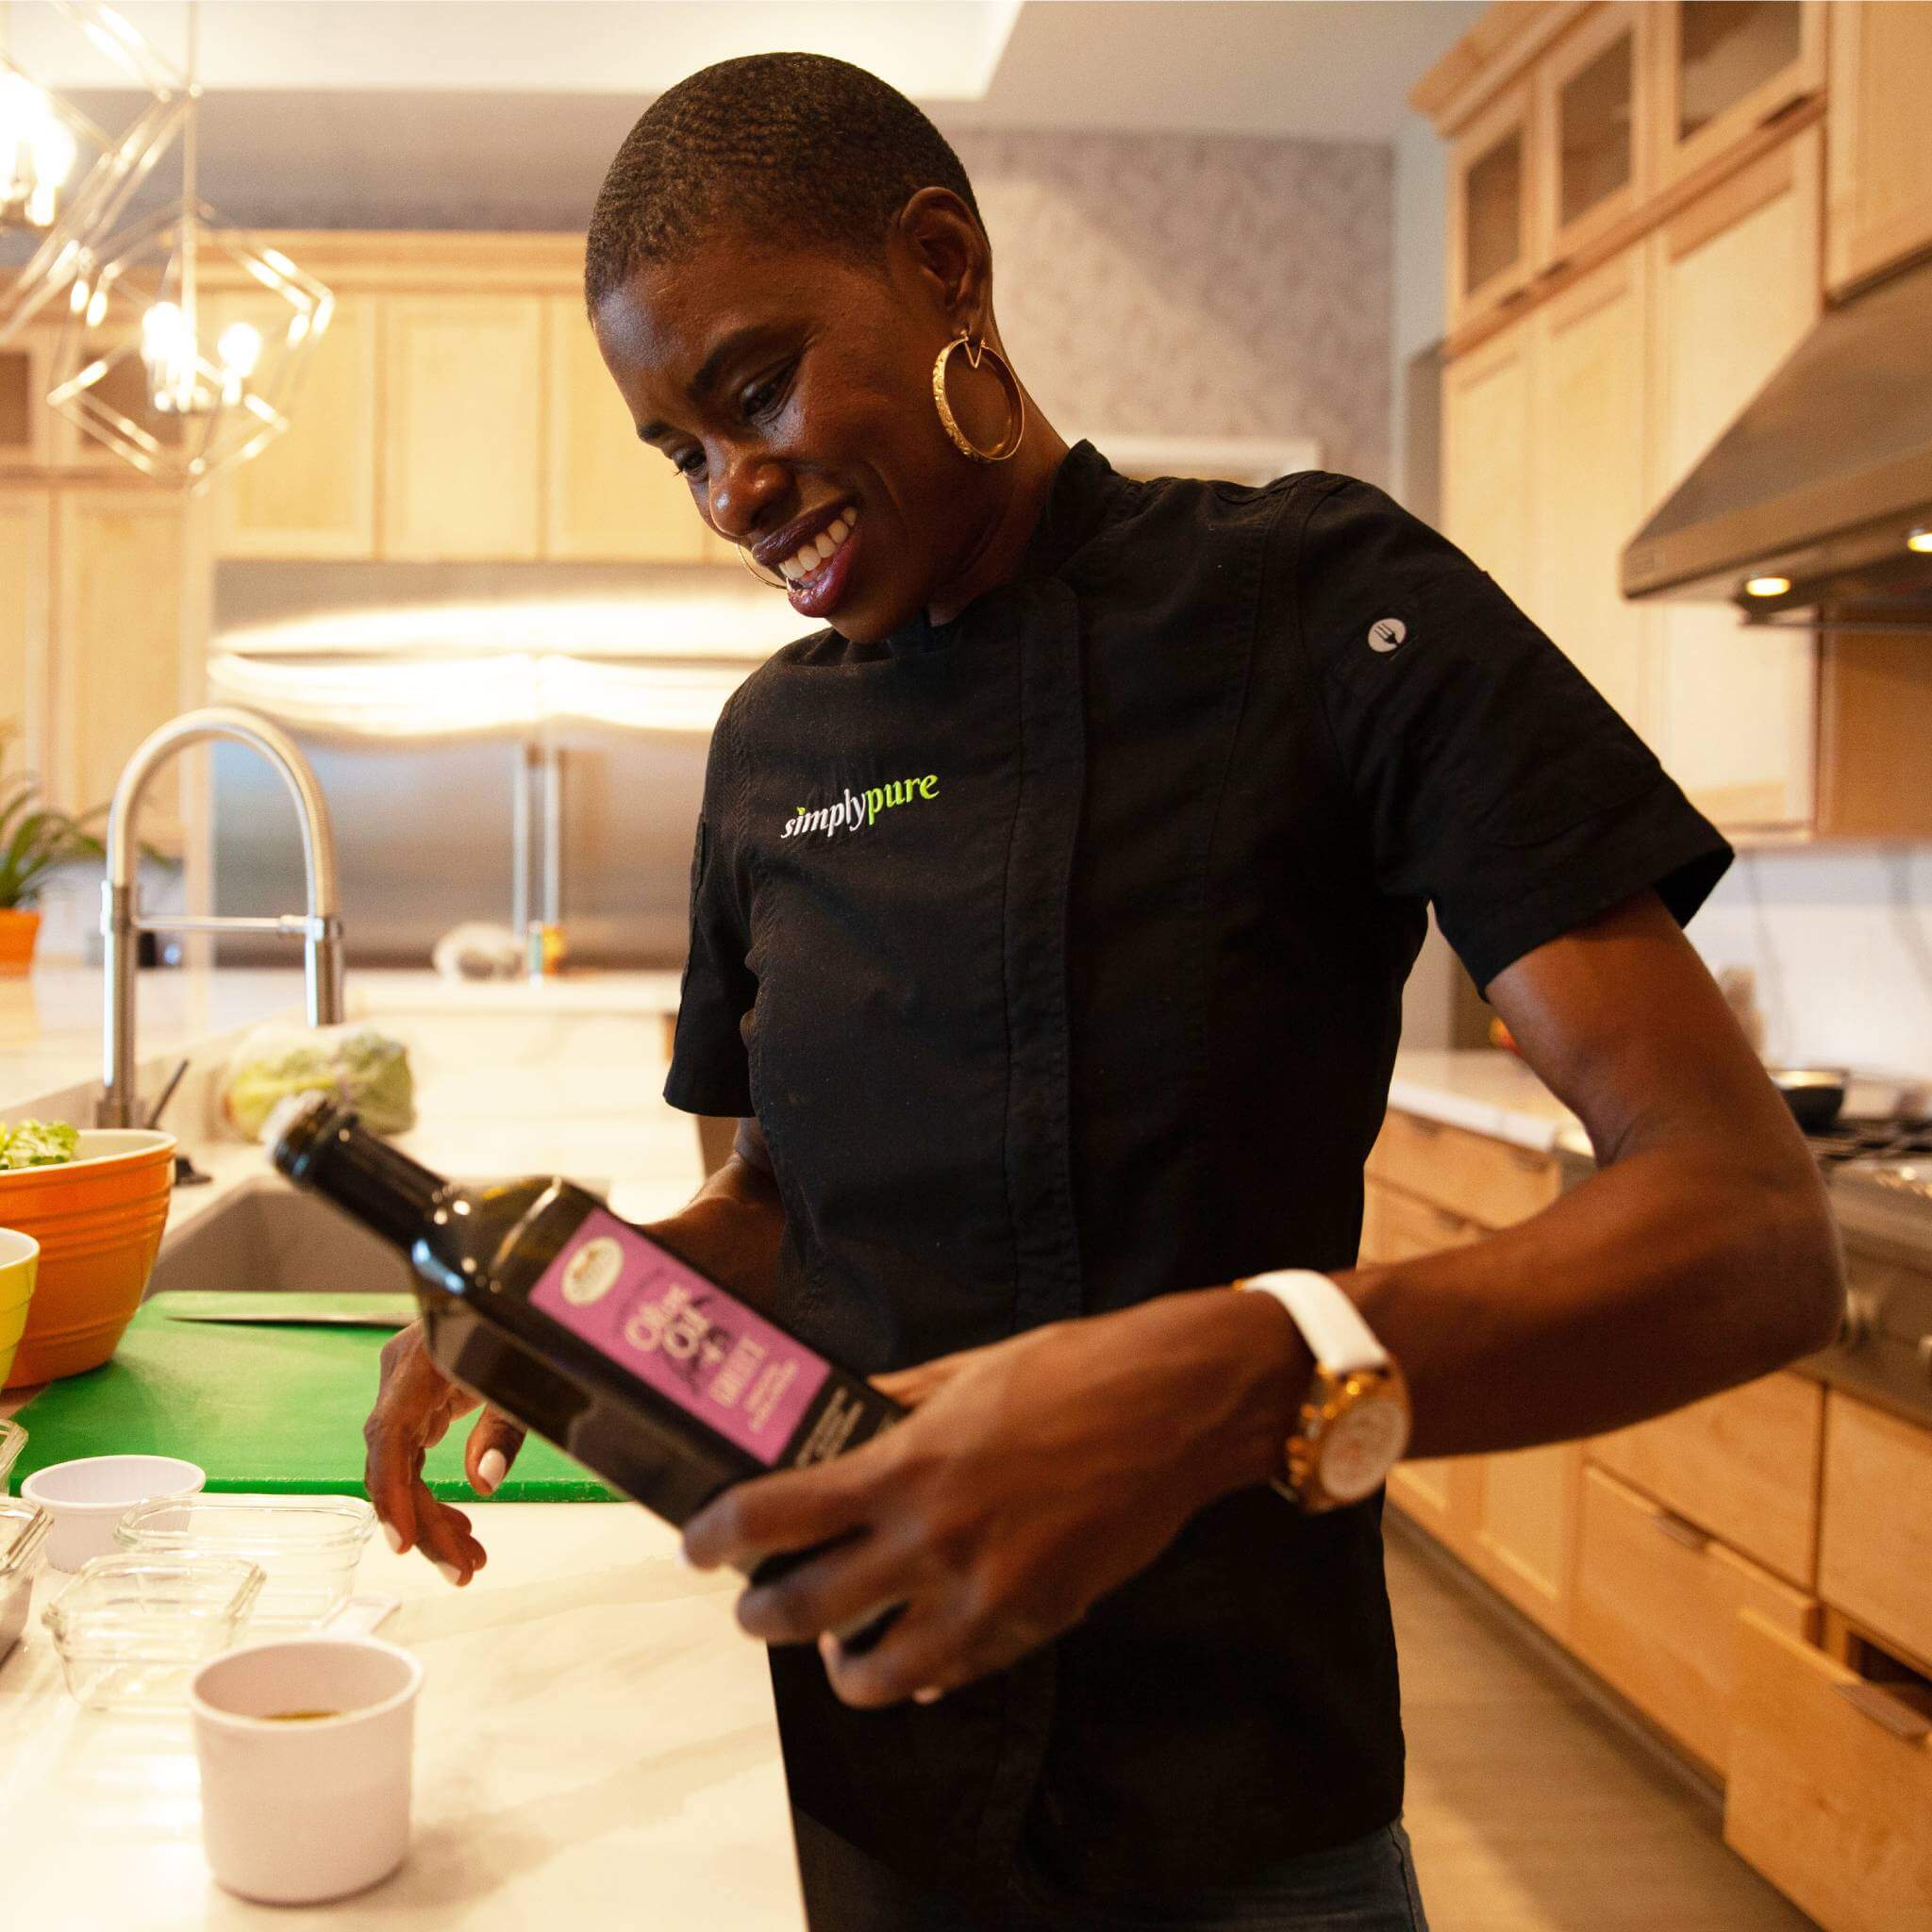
(276, 1409)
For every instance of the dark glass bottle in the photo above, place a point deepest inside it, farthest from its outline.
(586, 1330)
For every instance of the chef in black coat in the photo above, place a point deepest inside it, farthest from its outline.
(1051, 904)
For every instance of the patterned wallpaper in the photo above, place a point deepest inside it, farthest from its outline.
(1181, 284)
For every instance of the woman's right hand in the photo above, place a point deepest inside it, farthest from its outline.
(415, 1404)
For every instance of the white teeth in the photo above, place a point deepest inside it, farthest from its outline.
(808, 557)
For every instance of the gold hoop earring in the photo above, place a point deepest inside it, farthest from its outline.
(948, 421)
(776, 583)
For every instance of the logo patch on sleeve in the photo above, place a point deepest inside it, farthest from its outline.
(1386, 633)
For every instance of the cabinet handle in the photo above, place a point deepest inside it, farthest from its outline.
(1903, 1720)
(1529, 1160)
(1681, 1532)
(1421, 1124)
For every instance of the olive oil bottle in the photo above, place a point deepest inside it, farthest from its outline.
(539, 1300)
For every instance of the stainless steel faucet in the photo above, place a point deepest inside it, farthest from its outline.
(320, 928)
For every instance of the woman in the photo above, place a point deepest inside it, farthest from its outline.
(1051, 907)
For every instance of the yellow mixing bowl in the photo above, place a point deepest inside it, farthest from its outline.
(20, 1262)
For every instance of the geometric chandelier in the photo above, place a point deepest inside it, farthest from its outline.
(184, 339)
(63, 179)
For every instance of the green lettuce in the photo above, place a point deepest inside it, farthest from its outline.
(37, 1143)
(367, 1068)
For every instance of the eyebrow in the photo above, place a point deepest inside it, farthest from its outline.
(701, 383)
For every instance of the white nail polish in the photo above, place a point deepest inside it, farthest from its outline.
(394, 1535)
(450, 1572)
(492, 1469)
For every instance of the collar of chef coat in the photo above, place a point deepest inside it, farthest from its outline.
(1077, 506)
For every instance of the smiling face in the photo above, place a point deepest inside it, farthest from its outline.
(789, 383)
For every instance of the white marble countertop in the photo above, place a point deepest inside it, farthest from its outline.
(1489, 1091)
(596, 1736)
(595, 1746)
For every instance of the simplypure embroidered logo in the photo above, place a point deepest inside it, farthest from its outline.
(858, 810)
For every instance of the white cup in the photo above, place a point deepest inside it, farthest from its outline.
(295, 1812)
(87, 1499)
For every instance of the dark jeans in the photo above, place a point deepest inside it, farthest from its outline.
(1367, 1885)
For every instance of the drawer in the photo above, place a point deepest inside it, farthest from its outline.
(1743, 1464)
(1487, 1181)
(1831, 1799)
(1875, 1558)
(1399, 1227)
(1655, 1610)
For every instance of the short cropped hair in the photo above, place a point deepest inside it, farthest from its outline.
(799, 146)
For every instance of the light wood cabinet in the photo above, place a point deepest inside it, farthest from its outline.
(1874, 1559)
(1723, 70)
(1585, 484)
(1492, 209)
(1593, 162)
(462, 438)
(1744, 1464)
(1829, 1791)
(1880, 139)
(1655, 1612)
(126, 600)
(608, 496)
(1488, 404)
(1735, 289)
(25, 571)
(1525, 1541)
(1476, 1178)
(311, 492)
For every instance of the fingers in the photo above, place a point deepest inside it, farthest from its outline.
(414, 1406)
(492, 1447)
(841, 1591)
(922, 1656)
(790, 1510)
(911, 1387)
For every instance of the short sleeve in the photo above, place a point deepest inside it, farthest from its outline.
(1494, 779)
(710, 1073)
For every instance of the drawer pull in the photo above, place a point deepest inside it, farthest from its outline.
(1529, 1160)
(1420, 1123)
(1903, 1720)
(1681, 1532)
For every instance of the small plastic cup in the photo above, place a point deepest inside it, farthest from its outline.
(305, 1746)
(88, 1497)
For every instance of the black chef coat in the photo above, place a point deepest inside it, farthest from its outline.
(1058, 950)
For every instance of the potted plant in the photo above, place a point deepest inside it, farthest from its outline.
(33, 840)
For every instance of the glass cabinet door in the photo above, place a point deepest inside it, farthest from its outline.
(1728, 65)
(1490, 233)
(1595, 87)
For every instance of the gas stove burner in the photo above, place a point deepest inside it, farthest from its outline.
(1885, 1138)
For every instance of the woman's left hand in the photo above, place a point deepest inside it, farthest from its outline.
(1032, 1476)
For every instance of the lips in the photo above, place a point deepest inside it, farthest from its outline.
(787, 543)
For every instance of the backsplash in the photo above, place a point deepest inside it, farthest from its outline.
(1840, 940)
(1191, 285)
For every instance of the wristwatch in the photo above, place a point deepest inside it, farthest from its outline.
(1353, 1421)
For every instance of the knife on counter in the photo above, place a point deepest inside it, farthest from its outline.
(287, 1307)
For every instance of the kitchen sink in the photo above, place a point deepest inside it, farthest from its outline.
(266, 1235)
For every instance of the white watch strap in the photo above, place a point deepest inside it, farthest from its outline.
(1331, 1325)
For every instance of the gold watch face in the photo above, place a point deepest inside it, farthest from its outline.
(1362, 1444)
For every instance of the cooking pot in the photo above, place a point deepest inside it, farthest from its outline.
(1814, 1094)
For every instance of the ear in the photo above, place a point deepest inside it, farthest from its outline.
(945, 250)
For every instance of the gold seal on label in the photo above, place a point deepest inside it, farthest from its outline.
(592, 1271)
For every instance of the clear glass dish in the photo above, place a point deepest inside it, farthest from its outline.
(12, 1440)
(131, 1629)
(307, 1547)
(22, 1530)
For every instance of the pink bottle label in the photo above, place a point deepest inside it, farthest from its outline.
(692, 1342)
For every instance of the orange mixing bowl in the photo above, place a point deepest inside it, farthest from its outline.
(98, 1220)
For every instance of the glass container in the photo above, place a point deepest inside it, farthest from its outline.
(22, 1530)
(131, 1629)
(307, 1547)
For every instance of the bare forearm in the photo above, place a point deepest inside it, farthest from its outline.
(731, 1230)
(1664, 1277)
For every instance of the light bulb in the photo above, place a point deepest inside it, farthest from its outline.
(1767, 587)
(1919, 539)
(167, 350)
(237, 349)
(36, 152)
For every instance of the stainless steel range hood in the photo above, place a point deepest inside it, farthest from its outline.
(1822, 481)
